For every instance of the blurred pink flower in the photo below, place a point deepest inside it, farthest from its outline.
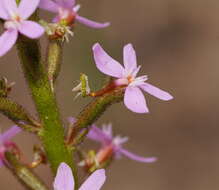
(126, 77)
(67, 10)
(6, 143)
(64, 179)
(113, 145)
(16, 21)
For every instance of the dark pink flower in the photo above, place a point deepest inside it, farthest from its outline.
(113, 145)
(68, 11)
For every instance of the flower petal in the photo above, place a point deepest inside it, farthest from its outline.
(27, 8)
(107, 129)
(98, 135)
(95, 181)
(134, 100)
(91, 23)
(3, 12)
(72, 120)
(10, 6)
(66, 3)
(49, 5)
(1, 163)
(135, 157)
(129, 57)
(10, 133)
(31, 29)
(154, 91)
(56, 19)
(105, 63)
(7, 40)
(64, 179)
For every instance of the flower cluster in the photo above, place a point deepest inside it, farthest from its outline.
(16, 21)
(113, 146)
(20, 19)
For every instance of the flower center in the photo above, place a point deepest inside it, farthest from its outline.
(14, 23)
(130, 79)
(66, 16)
(124, 81)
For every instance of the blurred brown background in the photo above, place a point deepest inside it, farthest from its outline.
(177, 43)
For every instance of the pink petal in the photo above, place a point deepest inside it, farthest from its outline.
(7, 40)
(72, 120)
(3, 13)
(134, 100)
(95, 181)
(10, 6)
(31, 29)
(1, 163)
(107, 129)
(105, 63)
(27, 8)
(130, 60)
(137, 158)
(49, 5)
(64, 179)
(66, 3)
(91, 23)
(56, 19)
(10, 133)
(98, 135)
(154, 91)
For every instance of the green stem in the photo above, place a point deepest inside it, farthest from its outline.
(18, 114)
(90, 114)
(23, 174)
(52, 134)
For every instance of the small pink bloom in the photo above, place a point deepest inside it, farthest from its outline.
(113, 145)
(6, 143)
(127, 76)
(16, 22)
(68, 11)
(64, 179)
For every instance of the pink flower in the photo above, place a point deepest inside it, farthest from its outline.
(127, 77)
(112, 146)
(64, 179)
(6, 143)
(67, 11)
(16, 22)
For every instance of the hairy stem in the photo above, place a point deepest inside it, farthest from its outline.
(52, 134)
(30, 180)
(90, 114)
(18, 114)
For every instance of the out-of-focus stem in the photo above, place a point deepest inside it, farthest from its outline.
(90, 114)
(23, 174)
